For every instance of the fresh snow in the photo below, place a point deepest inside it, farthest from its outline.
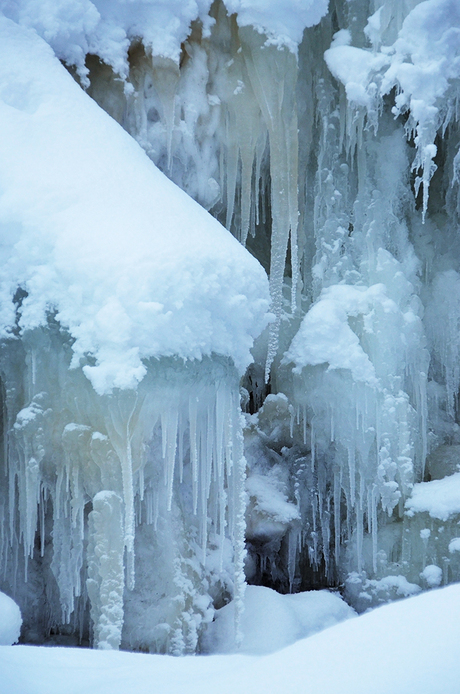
(95, 233)
(439, 498)
(106, 28)
(272, 621)
(408, 647)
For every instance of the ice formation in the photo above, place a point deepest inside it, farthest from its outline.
(325, 138)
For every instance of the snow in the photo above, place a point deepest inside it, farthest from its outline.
(272, 621)
(439, 498)
(325, 335)
(409, 647)
(432, 574)
(423, 64)
(10, 621)
(314, 158)
(283, 20)
(107, 27)
(454, 545)
(98, 235)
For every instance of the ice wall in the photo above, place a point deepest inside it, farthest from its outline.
(124, 331)
(325, 138)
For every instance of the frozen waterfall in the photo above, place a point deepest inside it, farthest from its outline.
(172, 421)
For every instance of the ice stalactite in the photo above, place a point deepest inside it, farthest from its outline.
(105, 582)
(268, 68)
(334, 159)
(178, 437)
(223, 125)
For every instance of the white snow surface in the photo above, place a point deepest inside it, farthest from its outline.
(439, 498)
(283, 20)
(92, 230)
(432, 574)
(272, 621)
(407, 647)
(325, 335)
(10, 621)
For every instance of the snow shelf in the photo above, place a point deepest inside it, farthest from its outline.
(131, 266)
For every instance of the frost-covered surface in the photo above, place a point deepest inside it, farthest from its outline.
(109, 269)
(10, 621)
(439, 498)
(272, 621)
(409, 647)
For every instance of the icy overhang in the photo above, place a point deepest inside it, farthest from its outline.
(107, 27)
(132, 267)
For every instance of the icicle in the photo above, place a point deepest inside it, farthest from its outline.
(273, 74)
(105, 581)
(337, 513)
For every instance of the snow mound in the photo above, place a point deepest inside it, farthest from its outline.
(10, 621)
(93, 232)
(272, 621)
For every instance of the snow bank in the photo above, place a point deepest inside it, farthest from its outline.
(131, 266)
(439, 498)
(10, 621)
(409, 647)
(272, 621)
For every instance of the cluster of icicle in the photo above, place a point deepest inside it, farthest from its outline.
(307, 161)
(313, 173)
(167, 456)
(223, 125)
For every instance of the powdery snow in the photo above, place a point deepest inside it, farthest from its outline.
(408, 647)
(283, 20)
(439, 498)
(92, 230)
(432, 574)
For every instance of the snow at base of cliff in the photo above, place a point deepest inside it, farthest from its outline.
(408, 647)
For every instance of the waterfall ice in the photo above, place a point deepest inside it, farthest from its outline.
(120, 383)
(325, 138)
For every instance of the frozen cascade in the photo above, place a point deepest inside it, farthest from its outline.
(72, 453)
(326, 139)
